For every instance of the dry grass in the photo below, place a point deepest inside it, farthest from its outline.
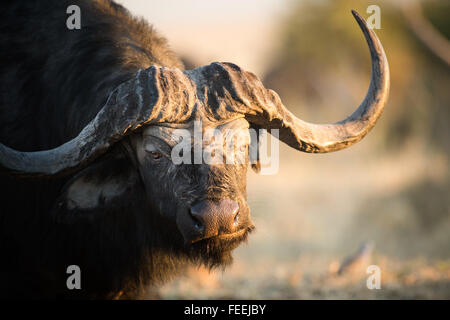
(310, 278)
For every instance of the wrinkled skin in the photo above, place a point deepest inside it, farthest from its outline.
(173, 188)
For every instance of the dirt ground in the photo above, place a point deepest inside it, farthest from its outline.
(410, 279)
(315, 214)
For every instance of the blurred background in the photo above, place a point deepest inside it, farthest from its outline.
(322, 219)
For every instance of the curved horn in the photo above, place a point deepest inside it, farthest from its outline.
(266, 110)
(153, 95)
(218, 91)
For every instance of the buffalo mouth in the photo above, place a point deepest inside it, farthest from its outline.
(231, 236)
(227, 236)
(216, 251)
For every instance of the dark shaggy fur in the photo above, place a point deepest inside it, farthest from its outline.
(53, 81)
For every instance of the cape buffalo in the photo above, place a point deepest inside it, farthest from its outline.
(87, 128)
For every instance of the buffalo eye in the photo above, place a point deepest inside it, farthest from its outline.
(150, 146)
(155, 155)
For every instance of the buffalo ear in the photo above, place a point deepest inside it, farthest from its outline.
(102, 185)
(254, 148)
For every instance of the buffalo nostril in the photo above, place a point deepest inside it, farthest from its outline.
(236, 219)
(198, 225)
